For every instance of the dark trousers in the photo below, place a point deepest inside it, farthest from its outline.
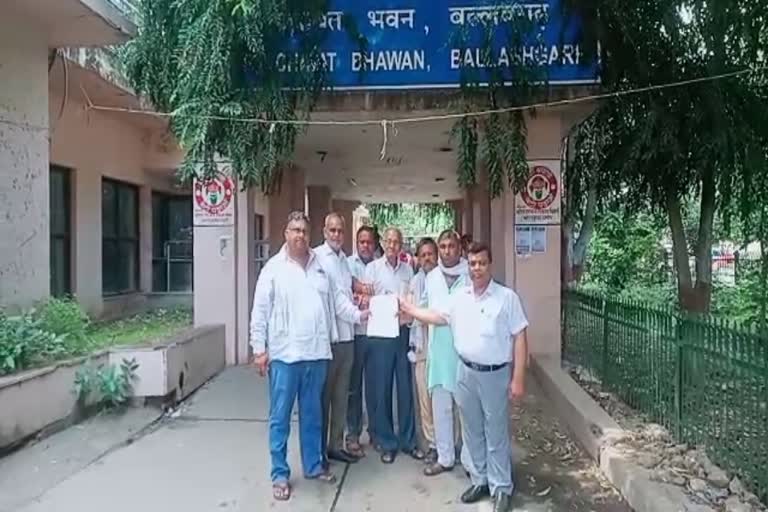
(355, 405)
(386, 363)
(336, 395)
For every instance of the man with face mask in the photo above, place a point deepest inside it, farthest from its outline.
(358, 262)
(426, 254)
(451, 276)
(293, 322)
(336, 392)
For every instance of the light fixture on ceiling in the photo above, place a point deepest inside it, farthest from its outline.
(439, 180)
(435, 195)
(352, 182)
(368, 195)
(445, 149)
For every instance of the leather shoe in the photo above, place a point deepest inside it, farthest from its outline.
(475, 494)
(500, 502)
(342, 456)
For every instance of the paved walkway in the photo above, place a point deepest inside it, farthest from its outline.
(213, 456)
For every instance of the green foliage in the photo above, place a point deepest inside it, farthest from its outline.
(112, 383)
(24, 342)
(707, 140)
(412, 219)
(499, 139)
(626, 252)
(59, 329)
(65, 317)
(219, 58)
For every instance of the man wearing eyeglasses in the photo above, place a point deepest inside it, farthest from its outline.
(293, 323)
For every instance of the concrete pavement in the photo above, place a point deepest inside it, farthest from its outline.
(213, 456)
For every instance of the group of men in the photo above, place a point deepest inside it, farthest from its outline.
(461, 344)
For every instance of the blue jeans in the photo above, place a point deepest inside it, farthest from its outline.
(387, 361)
(287, 381)
(355, 405)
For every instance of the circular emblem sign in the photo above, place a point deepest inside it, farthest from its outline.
(214, 195)
(541, 188)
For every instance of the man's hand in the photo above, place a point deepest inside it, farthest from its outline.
(261, 363)
(517, 389)
(406, 306)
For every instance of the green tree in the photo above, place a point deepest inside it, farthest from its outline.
(706, 140)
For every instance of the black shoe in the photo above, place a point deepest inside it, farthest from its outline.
(501, 502)
(415, 453)
(475, 494)
(342, 456)
(388, 457)
(431, 456)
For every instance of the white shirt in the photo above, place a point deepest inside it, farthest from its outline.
(357, 268)
(387, 279)
(484, 327)
(417, 335)
(335, 264)
(294, 310)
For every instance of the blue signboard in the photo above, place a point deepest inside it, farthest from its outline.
(428, 44)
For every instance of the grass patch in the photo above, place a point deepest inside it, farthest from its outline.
(144, 328)
(59, 329)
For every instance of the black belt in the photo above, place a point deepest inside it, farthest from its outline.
(483, 367)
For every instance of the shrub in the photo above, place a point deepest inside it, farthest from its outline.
(65, 317)
(24, 342)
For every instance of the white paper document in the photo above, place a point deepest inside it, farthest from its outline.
(383, 322)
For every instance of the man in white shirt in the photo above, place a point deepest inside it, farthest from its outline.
(336, 392)
(292, 325)
(426, 254)
(388, 358)
(489, 332)
(365, 241)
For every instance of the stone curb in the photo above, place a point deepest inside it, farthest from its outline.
(594, 429)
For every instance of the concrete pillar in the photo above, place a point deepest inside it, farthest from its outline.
(24, 167)
(536, 276)
(457, 205)
(318, 206)
(290, 197)
(468, 217)
(86, 216)
(347, 210)
(245, 277)
(481, 203)
(502, 231)
(223, 276)
(145, 239)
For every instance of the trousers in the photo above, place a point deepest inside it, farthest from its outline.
(359, 385)
(287, 382)
(484, 408)
(386, 363)
(336, 395)
(425, 402)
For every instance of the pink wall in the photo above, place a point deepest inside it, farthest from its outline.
(95, 145)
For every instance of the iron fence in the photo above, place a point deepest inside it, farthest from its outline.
(704, 379)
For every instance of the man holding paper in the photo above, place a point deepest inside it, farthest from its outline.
(489, 332)
(292, 325)
(388, 351)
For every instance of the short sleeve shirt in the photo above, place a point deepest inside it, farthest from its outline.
(484, 327)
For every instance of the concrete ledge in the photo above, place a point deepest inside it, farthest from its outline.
(177, 366)
(595, 429)
(42, 401)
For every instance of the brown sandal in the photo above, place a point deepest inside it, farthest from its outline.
(281, 491)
